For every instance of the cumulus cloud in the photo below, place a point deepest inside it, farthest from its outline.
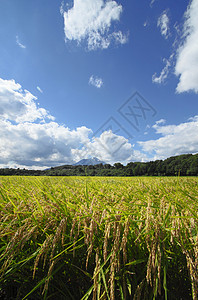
(31, 138)
(19, 105)
(96, 81)
(110, 148)
(163, 23)
(174, 140)
(165, 71)
(31, 144)
(29, 135)
(91, 21)
(187, 57)
(19, 43)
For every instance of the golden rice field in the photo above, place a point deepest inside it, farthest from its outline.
(98, 238)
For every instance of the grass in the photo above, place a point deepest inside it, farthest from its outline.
(98, 238)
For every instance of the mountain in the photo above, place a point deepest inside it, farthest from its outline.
(89, 162)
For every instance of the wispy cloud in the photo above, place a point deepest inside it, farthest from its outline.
(119, 37)
(152, 2)
(161, 121)
(19, 43)
(146, 23)
(96, 81)
(184, 57)
(91, 22)
(39, 89)
(187, 57)
(163, 23)
(165, 71)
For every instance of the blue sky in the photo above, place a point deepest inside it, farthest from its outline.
(116, 80)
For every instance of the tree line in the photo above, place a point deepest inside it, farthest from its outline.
(183, 165)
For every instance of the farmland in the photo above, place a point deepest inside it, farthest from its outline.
(98, 238)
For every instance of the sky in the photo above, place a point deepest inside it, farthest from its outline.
(116, 80)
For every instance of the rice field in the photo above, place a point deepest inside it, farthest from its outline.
(98, 238)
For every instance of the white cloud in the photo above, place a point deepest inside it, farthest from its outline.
(161, 121)
(39, 89)
(31, 144)
(187, 57)
(163, 23)
(19, 105)
(90, 21)
(175, 139)
(165, 71)
(29, 135)
(20, 44)
(30, 138)
(146, 23)
(152, 2)
(119, 37)
(96, 81)
(184, 59)
(110, 148)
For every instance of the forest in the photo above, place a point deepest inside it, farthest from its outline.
(182, 165)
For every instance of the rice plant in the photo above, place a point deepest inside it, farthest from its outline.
(98, 238)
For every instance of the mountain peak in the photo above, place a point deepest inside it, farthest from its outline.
(89, 162)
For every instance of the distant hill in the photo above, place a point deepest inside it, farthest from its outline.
(181, 165)
(89, 162)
